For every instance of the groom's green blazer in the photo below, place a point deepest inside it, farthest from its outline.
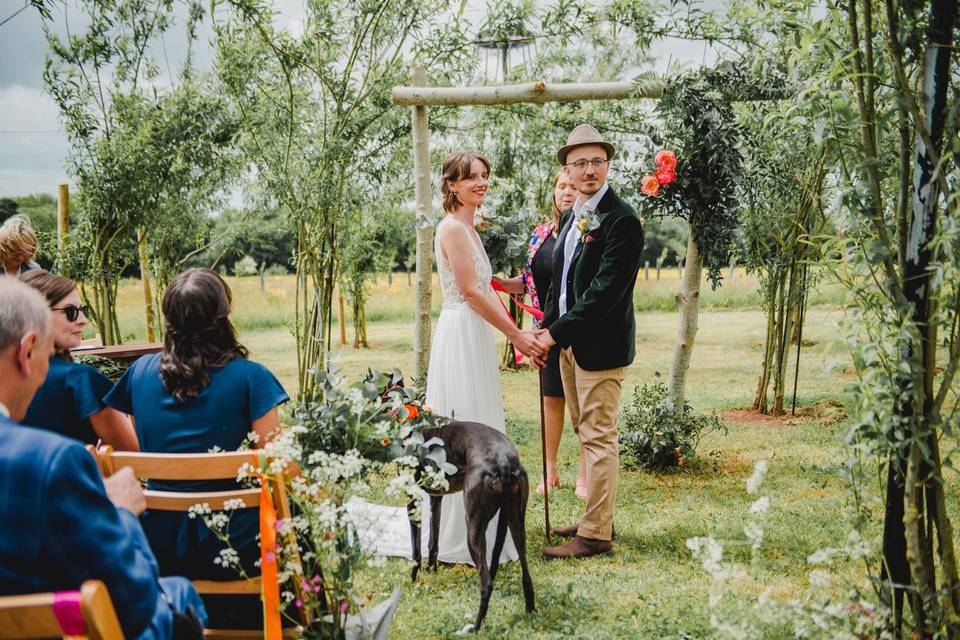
(599, 323)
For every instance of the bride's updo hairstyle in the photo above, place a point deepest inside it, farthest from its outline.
(199, 336)
(456, 166)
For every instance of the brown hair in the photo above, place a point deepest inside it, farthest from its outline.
(54, 288)
(18, 241)
(199, 336)
(456, 166)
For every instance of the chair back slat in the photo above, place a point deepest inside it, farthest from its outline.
(183, 500)
(180, 466)
(32, 616)
(226, 587)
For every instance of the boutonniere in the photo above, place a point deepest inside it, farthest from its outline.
(588, 238)
(586, 224)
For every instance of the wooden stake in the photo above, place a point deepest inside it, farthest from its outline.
(145, 280)
(63, 218)
(421, 172)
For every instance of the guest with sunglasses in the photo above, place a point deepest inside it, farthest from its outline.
(70, 401)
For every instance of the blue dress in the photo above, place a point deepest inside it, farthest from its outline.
(220, 416)
(68, 397)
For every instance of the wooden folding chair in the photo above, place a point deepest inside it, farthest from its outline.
(199, 466)
(87, 613)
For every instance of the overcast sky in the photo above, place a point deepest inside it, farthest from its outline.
(33, 146)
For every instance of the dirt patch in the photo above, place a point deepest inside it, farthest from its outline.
(829, 411)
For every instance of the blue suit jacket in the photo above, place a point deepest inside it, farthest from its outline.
(57, 528)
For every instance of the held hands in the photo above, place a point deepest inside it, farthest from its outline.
(124, 491)
(545, 340)
(526, 342)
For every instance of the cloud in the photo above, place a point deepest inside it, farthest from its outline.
(32, 145)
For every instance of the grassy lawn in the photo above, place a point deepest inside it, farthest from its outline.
(651, 587)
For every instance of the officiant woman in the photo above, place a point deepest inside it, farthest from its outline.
(534, 281)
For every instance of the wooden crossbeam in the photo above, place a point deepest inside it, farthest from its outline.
(531, 92)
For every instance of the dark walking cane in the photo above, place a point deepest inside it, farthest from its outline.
(543, 450)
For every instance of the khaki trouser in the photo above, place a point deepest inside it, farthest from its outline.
(593, 399)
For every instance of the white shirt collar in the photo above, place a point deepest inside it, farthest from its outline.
(4, 411)
(592, 202)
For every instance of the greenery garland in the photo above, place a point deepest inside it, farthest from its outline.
(701, 126)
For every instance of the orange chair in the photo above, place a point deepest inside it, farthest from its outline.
(86, 613)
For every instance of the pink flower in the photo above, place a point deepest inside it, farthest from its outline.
(344, 606)
(666, 159)
(588, 238)
(271, 556)
(650, 185)
(665, 176)
(298, 602)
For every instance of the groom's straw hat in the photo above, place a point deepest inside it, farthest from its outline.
(584, 134)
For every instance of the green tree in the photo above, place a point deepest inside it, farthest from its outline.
(320, 125)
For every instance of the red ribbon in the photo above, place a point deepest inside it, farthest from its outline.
(536, 313)
(66, 609)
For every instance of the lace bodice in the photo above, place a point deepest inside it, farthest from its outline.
(448, 282)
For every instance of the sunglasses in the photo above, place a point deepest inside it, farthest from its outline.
(72, 311)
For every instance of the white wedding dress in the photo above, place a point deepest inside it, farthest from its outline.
(463, 382)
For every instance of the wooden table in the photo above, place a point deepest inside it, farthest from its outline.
(122, 352)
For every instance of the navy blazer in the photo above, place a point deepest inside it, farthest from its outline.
(58, 528)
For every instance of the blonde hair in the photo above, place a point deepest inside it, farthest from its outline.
(553, 199)
(18, 241)
(456, 166)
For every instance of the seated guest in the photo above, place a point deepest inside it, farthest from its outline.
(70, 401)
(18, 246)
(199, 394)
(63, 524)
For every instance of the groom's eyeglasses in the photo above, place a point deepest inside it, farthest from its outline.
(72, 311)
(596, 163)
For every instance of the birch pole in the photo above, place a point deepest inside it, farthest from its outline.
(688, 300)
(421, 172)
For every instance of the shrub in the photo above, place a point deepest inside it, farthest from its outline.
(653, 435)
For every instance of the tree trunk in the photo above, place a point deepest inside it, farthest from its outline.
(145, 280)
(63, 220)
(423, 195)
(341, 317)
(688, 299)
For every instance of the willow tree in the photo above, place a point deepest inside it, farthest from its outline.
(890, 104)
(319, 124)
(143, 158)
(782, 221)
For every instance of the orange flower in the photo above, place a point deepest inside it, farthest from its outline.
(650, 185)
(412, 410)
(385, 442)
(665, 176)
(666, 159)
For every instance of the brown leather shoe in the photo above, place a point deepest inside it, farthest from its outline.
(571, 530)
(579, 547)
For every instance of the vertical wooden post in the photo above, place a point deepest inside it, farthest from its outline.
(341, 318)
(421, 172)
(688, 299)
(63, 219)
(145, 280)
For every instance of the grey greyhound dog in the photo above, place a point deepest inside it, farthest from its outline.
(492, 479)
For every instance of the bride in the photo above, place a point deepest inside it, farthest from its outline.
(463, 380)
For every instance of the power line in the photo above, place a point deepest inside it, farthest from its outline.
(15, 14)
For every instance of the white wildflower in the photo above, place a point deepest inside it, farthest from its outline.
(760, 506)
(198, 510)
(228, 558)
(756, 479)
(233, 504)
(819, 578)
(823, 556)
(754, 533)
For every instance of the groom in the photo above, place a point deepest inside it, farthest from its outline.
(589, 314)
